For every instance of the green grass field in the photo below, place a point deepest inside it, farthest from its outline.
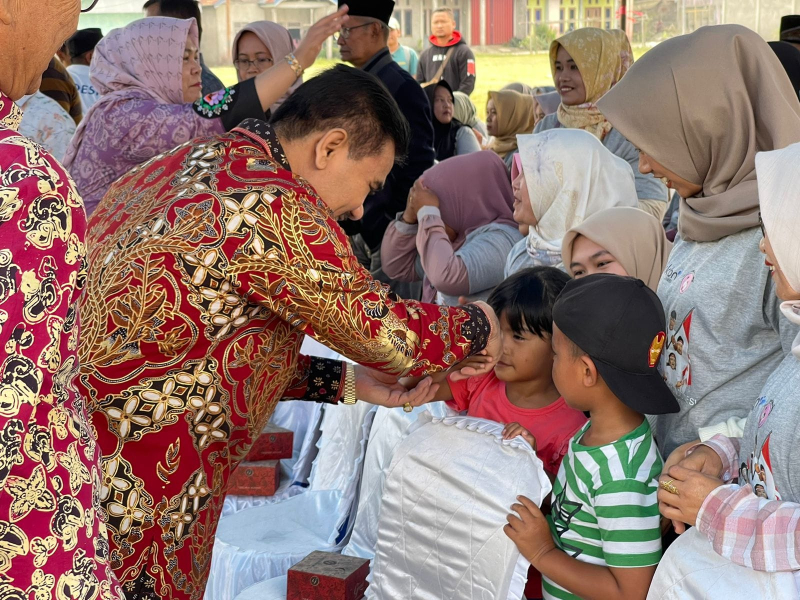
(494, 72)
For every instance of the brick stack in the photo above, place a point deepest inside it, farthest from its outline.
(260, 472)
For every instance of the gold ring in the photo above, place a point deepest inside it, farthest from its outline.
(407, 407)
(668, 486)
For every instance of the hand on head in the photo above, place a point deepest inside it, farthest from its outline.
(311, 45)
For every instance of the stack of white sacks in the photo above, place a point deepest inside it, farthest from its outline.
(423, 479)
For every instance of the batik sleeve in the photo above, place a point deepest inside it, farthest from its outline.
(294, 259)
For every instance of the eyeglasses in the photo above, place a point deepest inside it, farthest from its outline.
(761, 224)
(87, 5)
(260, 63)
(345, 32)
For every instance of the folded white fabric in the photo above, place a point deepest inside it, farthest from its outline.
(449, 489)
(692, 570)
(263, 542)
(388, 429)
(271, 589)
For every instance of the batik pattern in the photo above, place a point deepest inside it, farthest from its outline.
(208, 265)
(53, 542)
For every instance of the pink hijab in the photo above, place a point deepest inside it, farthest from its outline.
(473, 190)
(278, 41)
(145, 56)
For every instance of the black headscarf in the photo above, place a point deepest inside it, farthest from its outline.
(444, 134)
(790, 59)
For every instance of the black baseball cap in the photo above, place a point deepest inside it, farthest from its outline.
(619, 322)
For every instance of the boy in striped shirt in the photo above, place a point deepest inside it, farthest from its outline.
(603, 538)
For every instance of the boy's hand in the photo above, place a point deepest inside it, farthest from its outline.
(513, 430)
(529, 531)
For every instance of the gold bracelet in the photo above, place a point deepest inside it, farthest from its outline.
(349, 397)
(295, 64)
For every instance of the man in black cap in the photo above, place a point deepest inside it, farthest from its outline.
(80, 49)
(364, 44)
(790, 30)
(608, 335)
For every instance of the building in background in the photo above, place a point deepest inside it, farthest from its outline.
(525, 23)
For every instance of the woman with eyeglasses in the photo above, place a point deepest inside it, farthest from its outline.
(149, 78)
(53, 543)
(257, 47)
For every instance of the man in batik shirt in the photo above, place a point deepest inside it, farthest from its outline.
(208, 266)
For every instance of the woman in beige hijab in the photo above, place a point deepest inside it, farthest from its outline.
(699, 107)
(586, 64)
(619, 241)
(508, 113)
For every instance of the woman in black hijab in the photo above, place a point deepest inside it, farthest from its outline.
(450, 136)
(790, 59)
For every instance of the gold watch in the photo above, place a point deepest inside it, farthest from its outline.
(349, 397)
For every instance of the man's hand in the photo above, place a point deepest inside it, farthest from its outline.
(383, 389)
(513, 430)
(530, 530)
(493, 350)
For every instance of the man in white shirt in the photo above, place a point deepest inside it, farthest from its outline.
(80, 48)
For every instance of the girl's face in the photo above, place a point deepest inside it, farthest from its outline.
(589, 258)
(685, 189)
(526, 356)
(523, 211)
(443, 105)
(538, 113)
(568, 80)
(252, 57)
(491, 118)
(783, 290)
(192, 77)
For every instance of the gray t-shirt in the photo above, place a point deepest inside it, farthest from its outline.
(647, 186)
(725, 333)
(768, 451)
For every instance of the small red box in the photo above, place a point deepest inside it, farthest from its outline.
(255, 478)
(326, 576)
(274, 443)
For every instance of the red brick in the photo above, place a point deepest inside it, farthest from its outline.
(326, 576)
(274, 443)
(260, 478)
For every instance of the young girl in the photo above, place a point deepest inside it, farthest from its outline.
(520, 391)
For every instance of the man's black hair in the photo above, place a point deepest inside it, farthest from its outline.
(180, 9)
(150, 3)
(351, 99)
(672, 355)
(681, 340)
(673, 315)
(527, 298)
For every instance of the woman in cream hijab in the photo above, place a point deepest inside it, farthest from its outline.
(566, 176)
(619, 241)
(699, 107)
(586, 64)
(508, 113)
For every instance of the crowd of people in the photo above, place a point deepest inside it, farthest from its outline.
(610, 267)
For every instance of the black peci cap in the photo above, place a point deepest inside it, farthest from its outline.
(84, 40)
(619, 322)
(790, 29)
(376, 9)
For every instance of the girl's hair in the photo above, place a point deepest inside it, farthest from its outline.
(527, 298)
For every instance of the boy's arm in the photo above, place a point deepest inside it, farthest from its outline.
(530, 531)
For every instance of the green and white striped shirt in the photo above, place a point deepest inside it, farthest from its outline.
(605, 510)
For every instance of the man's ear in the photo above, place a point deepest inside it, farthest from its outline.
(333, 142)
(5, 12)
(589, 375)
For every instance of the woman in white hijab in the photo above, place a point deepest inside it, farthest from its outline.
(563, 177)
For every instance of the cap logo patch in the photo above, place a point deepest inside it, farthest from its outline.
(655, 348)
